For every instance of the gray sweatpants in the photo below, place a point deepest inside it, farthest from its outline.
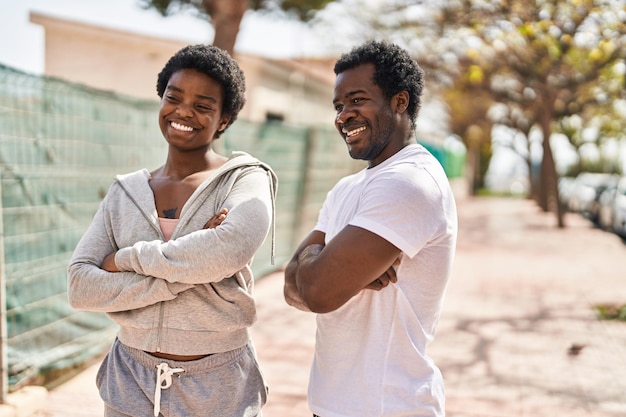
(228, 384)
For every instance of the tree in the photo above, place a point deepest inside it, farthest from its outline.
(551, 61)
(226, 15)
(471, 123)
(544, 60)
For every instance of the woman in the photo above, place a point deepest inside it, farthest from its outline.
(167, 257)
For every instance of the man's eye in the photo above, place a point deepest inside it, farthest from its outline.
(338, 107)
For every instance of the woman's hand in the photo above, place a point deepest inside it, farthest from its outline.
(108, 264)
(216, 220)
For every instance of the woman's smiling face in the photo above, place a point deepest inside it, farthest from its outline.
(191, 110)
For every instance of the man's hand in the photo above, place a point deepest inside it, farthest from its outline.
(290, 290)
(292, 297)
(311, 246)
(388, 277)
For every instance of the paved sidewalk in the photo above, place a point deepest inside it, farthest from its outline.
(521, 296)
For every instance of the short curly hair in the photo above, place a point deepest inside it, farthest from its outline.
(215, 63)
(395, 71)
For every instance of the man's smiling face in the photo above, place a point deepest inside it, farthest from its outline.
(365, 118)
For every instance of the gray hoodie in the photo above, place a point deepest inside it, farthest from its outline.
(192, 294)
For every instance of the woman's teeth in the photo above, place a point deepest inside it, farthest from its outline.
(178, 126)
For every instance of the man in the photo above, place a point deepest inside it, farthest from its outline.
(377, 263)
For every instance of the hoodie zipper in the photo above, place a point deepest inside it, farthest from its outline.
(160, 331)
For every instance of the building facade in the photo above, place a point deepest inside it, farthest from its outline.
(292, 91)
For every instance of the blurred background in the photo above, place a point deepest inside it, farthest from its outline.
(524, 100)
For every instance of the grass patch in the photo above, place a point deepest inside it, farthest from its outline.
(611, 311)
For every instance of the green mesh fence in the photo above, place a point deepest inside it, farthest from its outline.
(60, 146)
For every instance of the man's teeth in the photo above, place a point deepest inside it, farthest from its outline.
(184, 128)
(355, 131)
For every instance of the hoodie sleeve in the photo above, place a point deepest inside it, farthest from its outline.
(94, 289)
(209, 255)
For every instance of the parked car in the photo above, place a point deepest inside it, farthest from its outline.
(610, 183)
(587, 188)
(612, 208)
(565, 186)
(606, 208)
(619, 208)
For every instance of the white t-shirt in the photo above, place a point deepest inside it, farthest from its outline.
(370, 354)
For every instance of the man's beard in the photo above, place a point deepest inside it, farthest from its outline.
(379, 139)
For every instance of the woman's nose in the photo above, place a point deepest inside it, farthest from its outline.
(184, 110)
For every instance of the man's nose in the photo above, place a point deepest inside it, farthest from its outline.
(343, 116)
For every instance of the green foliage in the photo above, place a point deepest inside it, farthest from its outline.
(302, 9)
(540, 61)
(171, 7)
(226, 15)
(611, 311)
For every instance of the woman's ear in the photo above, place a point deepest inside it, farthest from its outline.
(224, 123)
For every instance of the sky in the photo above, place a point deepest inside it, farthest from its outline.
(22, 42)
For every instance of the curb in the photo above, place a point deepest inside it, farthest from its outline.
(24, 402)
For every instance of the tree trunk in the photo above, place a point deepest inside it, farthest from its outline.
(226, 16)
(474, 136)
(473, 163)
(549, 177)
(532, 180)
(533, 194)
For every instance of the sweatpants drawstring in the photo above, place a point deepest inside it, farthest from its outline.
(163, 381)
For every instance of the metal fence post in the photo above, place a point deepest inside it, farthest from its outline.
(301, 226)
(4, 362)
